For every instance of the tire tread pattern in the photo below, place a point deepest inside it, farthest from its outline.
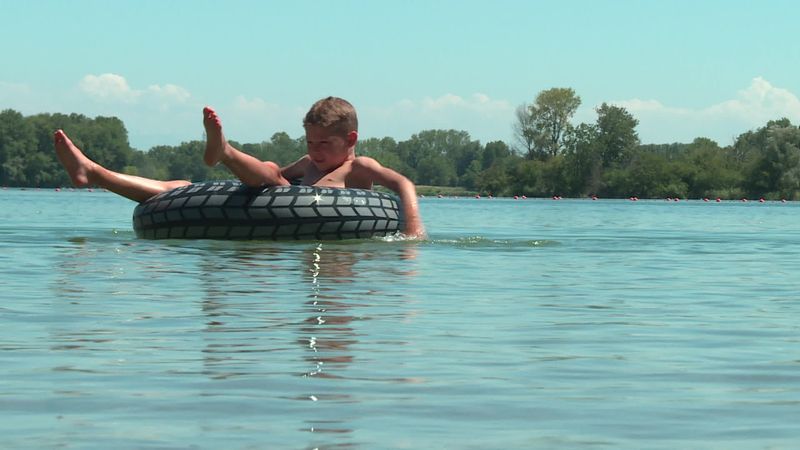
(230, 210)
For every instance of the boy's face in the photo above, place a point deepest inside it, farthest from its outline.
(328, 149)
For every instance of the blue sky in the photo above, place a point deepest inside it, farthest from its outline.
(684, 69)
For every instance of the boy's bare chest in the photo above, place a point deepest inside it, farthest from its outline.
(335, 178)
(343, 176)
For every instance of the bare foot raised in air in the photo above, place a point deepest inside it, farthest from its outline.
(215, 140)
(79, 167)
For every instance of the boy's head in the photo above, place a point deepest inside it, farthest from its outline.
(333, 113)
(331, 133)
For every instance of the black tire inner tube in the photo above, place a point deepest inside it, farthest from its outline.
(230, 210)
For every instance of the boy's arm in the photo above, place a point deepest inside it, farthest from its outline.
(296, 169)
(402, 186)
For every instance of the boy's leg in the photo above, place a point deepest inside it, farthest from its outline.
(250, 170)
(83, 172)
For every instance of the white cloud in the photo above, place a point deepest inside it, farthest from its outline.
(752, 107)
(169, 92)
(477, 103)
(254, 119)
(28, 99)
(108, 87)
(478, 114)
(758, 103)
(168, 113)
(13, 89)
(647, 106)
(443, 102)
(113, 88)
(254, 105)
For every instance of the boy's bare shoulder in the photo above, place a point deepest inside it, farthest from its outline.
(305, 159)
(365, 162)
(300, 164)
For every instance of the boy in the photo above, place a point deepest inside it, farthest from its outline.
(331, 134)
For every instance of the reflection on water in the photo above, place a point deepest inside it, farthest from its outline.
(484, 244)
(326, 333)
(265, 314)
(328, 330)
(518, 325)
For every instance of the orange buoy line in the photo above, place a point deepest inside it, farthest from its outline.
(635, 198)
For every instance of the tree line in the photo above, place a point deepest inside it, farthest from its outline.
(549, 156)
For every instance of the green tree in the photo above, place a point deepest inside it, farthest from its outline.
(384, 151)
(583, 162)
(523, 129)
(592, 149)
(616, 133)
(284, 150)
(749, 145)
(648, 175)
(705, 169)
(17, 141)
(429, 150)
(545, 123)
(525, 177)
(472, 177)
(776, 172)
(436, 170)
(493, 152)
(495, 180)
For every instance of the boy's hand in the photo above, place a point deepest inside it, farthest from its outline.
(415, 230)
(402, 186)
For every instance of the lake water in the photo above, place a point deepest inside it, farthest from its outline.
(519, 324)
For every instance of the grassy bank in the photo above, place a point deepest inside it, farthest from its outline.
(448, 191)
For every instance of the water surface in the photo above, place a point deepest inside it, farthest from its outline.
(519, 324)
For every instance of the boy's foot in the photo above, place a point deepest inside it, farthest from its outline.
(215, 140)
(78, 166)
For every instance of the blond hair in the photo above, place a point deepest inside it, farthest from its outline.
(332, 112)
